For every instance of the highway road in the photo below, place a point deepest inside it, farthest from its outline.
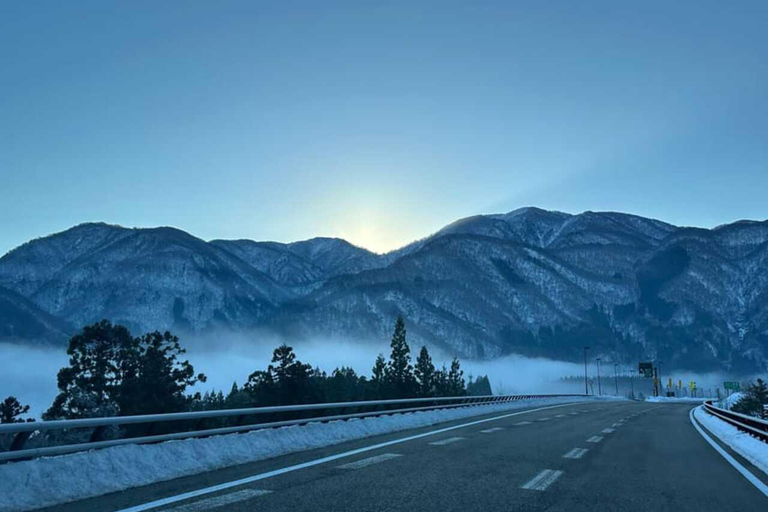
(609, 456)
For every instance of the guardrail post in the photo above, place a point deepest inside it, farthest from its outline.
(97, 434)
(18, 440)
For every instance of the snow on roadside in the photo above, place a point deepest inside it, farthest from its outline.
(672, 399)
(44, 482)
(754, 450)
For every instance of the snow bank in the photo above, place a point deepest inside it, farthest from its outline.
(672, 399)
(50, 481)
(754, 450)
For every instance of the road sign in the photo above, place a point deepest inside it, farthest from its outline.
(692, 385)
(646, 370)
(733, 386)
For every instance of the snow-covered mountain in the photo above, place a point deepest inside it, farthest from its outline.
(530, 281)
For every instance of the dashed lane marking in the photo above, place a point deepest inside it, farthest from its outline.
(595, 439)
(543, 480)
(491, 430)
(608, 431)
(444, 442)
(219, 501)
(576, 453)
(370, 460)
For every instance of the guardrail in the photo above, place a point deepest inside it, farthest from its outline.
(66, 436)
(749, 424)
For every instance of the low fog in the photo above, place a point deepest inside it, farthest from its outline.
(29, 372)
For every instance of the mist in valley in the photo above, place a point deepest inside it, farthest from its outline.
(29, 372)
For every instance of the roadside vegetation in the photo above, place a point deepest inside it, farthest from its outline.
(113, 373)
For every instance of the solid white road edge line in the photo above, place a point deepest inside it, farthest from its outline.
(733, 462)
(262, 476)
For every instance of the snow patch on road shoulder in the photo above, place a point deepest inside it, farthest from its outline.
(44, 482)
(754, 450)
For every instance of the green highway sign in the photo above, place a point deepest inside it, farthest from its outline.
(645, 369)
(733, 386)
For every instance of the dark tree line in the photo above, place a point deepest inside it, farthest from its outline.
(111, 372)
(287, 380)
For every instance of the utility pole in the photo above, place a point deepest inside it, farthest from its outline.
(616, 377)
(661, 382)
(586, 379)
(599, 386)
(632, 382)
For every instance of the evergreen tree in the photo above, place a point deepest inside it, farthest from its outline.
(425, 373)
(11, 409)
(480, 387)
(287, 381)
(378, 378)
(400, 379)
(754, 399)
(112, 373)
(88, 386)
(442, 388)
(456, 379)
(153, 378)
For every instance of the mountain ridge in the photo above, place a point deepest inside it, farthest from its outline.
(530, 281)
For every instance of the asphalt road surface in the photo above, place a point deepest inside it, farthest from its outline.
(619, 456)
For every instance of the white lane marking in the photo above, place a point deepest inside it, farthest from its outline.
(543, 419)
(608, 431)
(444, 442)
(573, 413)
(523, 423)
(559, 415)
(219, 501)
(595, 439)
(491, 430)
(316, 462)
(543, 480)
(370, 460)
(576, 453)
(617, 425)
(733, 462)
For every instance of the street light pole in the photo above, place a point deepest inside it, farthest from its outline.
(586, 386)
(632, 382)
(599, 386)
(616, 377)
(661, 382)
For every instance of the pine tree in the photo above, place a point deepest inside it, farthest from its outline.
(754, 399)
(400, 377)
(11, 409)
(88, 386)
(425, 373)
(456, 379)
(378, 378)
(442, 388)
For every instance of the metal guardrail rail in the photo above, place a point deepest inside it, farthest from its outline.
(749, 424)
(184, 425)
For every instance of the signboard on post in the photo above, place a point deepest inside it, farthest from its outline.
(733, 386)
(646, 370)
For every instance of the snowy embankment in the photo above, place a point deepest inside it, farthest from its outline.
(49, 481)
(754, 450)
(672, 399)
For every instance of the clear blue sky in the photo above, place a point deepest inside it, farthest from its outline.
(377, 121)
